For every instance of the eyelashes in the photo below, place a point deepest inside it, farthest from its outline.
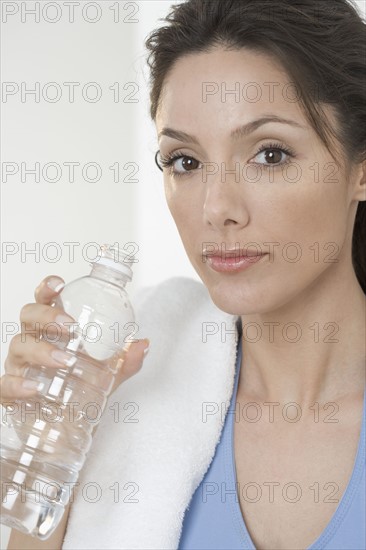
(171, 158)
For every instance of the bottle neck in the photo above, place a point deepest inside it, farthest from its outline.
(108, 274)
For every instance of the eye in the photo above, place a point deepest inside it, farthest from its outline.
(187, 164)
(272, 152)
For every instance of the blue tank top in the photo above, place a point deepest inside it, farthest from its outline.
(213, 519)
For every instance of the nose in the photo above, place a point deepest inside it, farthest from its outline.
(224, 204)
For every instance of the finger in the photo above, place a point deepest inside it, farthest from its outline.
(48, 288)
(15, 387)
(130, 361)
(36, 352)
(38, 317)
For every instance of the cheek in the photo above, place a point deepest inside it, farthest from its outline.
(182, 205)
(186, 211)
(172, 202)
(167, 191)
(311, 215)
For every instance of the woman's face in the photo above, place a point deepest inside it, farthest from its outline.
(232, 195)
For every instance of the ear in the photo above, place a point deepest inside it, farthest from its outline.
(359, 193)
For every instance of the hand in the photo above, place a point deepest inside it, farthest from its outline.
(27, 348)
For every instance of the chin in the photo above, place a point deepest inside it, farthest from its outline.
(234, 307)
(236, 297)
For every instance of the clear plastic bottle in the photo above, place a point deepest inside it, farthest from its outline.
(45, 439)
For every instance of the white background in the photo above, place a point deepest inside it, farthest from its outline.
(103, 132)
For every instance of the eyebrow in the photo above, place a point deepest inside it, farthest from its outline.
(236, 134)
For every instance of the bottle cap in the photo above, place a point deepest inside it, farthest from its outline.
(115, 257)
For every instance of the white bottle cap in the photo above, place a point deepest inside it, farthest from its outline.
(115, 257)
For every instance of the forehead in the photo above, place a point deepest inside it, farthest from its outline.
(221, 86)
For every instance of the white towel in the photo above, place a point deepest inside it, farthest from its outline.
(157, 462)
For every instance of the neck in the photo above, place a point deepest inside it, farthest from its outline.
(311, 349)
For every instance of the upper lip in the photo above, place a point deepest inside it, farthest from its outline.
(233, 252)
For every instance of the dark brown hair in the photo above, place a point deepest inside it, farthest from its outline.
(321, 44)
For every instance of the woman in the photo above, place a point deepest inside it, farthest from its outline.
(259, 108)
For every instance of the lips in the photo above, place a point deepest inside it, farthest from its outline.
(233, 264)
(233, 253)
(231, 260)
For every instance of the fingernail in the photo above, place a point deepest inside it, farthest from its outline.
(55, 284)
(146, 350)
(63, 358)
(32, 385)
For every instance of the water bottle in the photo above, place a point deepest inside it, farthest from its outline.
(45, 439)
